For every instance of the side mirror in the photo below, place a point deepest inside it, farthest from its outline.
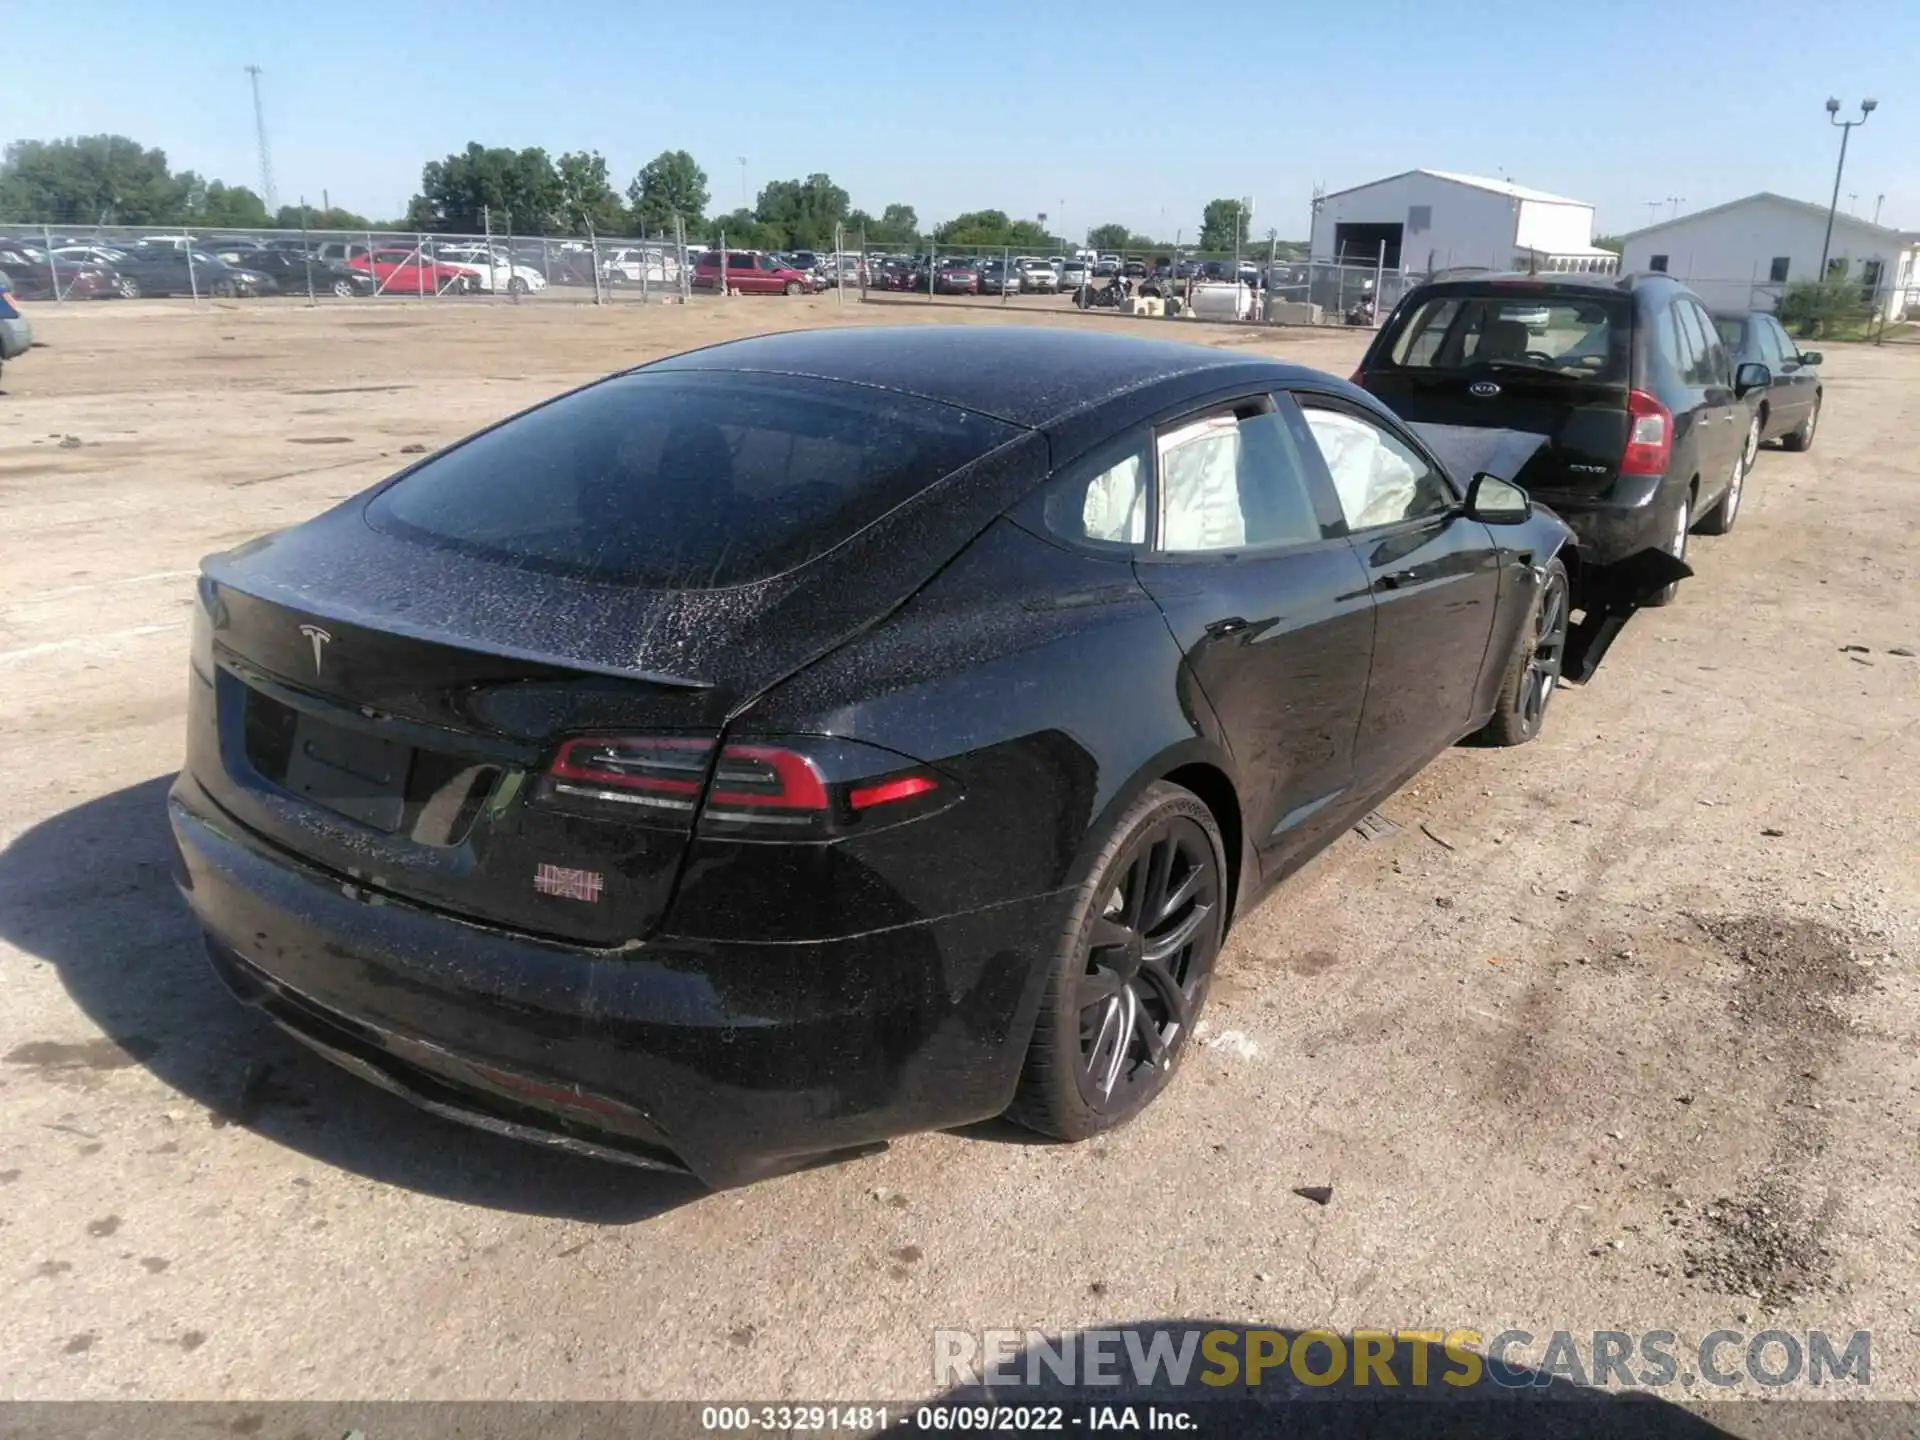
(1810, 357)
(1749, 377)
(1493, 501)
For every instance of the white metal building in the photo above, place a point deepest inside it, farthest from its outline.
(1742, 254)
(1429, 220)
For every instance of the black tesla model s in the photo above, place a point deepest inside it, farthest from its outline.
(821, 737)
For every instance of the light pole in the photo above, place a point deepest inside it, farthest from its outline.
(1867, 107)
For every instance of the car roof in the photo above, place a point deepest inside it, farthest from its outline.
(1028, 375)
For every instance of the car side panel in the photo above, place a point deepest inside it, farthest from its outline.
(1042, 680)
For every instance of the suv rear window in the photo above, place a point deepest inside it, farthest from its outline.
(686, 480)
(1570, 335)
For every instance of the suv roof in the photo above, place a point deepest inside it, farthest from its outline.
(1552, 280)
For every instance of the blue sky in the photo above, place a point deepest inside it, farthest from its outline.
(1090, 113)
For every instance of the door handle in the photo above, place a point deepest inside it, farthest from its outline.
(1232, 625)
(1397, 578)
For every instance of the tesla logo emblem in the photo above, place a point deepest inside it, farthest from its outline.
(1484, 389)
(319, 638)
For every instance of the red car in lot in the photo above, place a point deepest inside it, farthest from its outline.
(407, 272)
(752, 273)
(956, 277)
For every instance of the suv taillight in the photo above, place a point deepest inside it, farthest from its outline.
(1649, 436)
(806, 788)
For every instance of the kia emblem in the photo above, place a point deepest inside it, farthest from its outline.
(1483, 389)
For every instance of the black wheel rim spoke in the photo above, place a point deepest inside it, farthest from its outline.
(1098, 986)
(1165, 947)
(1180, 895)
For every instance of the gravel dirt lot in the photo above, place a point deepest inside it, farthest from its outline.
(1617, 1031)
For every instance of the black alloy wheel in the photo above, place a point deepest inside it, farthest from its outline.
(1546, 652)
(1533, 674)
(1132, 976)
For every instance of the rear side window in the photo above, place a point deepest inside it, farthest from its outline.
(685, 480)
(1233, 482)
(1571, 335)
(1699, 345)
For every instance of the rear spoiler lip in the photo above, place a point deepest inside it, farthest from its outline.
(212, 568)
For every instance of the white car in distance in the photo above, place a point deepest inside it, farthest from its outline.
(492, 270)
(636, 266)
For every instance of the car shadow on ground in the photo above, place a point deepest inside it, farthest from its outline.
(1481, 1400)
(90, 891)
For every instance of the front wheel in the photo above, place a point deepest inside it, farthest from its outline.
(1801, 436)
(793, 287)
(1533, 672)
(128, 287)
(343, 288)
(1131, 972)
(516, 287)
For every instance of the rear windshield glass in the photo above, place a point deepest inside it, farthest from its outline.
(685, 480)
(1567, 335)
(1733, 331)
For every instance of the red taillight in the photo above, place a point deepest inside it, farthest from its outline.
(753, 783)
(864, 797)
(666, 772)
(1649, 436)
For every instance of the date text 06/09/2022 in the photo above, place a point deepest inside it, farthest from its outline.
(941, 1419)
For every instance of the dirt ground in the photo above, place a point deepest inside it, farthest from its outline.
(1617, 1031)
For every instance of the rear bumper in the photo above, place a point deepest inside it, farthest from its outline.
(1636, 514)
(729, 1061)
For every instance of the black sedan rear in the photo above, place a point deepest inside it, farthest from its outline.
(820, 737)
(296, 272)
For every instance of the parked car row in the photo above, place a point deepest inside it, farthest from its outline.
(234, 266)
(967, 275)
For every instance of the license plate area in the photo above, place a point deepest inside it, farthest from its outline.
(355, 774)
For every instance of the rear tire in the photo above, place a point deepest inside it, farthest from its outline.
(1533, 671)
(1676, 547)
(1801, 436)
(1130, 971)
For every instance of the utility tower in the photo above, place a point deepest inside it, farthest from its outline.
(260, 134)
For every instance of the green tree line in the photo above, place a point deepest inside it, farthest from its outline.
(113, 180)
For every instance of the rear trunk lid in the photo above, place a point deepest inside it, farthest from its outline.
(394, 678)
(1545, 360)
